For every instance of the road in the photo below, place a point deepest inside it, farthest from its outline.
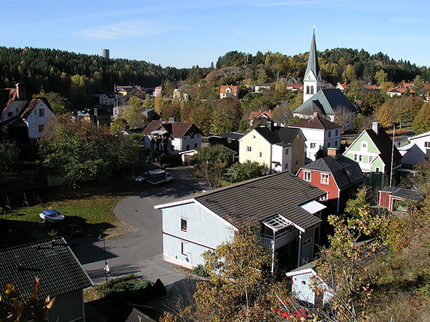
(139, 252)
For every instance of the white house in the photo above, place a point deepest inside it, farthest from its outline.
(416, 150)
(172, 137)
(285, 206)
(320, 134)
(303, 278)
(228, 91)
(19, 112)
(103, 99)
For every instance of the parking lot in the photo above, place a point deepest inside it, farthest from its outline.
(140, 251)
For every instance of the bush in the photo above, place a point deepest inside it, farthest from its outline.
(200, 271)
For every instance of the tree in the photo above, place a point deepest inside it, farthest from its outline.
(240, 287)
(133, 116)
(421, 123)
(13, 309)
(135, 101)
(226, 116)
(118, 126)
(344, 265)
(381, 77)
(210, 163)
(9, 155)
(296, 101)
(58, 103)
(244, 171)
(386, 114)
(371, 101)
(159, 104)
(172, 110)
(282, 114)
(77, 149)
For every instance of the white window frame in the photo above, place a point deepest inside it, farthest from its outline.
(307, 176)
(184, 248)
(184, 224)
(249, 148)
(325, 177)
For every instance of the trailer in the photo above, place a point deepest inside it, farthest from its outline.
(158, 176)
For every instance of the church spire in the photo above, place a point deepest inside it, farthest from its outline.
(312, 79)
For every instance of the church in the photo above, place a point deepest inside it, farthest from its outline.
(330, 104)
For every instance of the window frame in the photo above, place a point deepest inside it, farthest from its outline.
(184, 224)
(325, 178)
(307, 175)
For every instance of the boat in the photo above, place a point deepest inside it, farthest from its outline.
(51, 215)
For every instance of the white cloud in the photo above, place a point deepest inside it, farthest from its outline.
(124, 29)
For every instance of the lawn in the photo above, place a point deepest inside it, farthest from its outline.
(91, 204)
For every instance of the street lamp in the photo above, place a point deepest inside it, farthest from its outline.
(106, 267)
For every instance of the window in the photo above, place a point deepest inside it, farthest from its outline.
(298, 136)
(9, 114)
(41, 112)
(312, 89)
(324, 178)
(307, 89)
(261, 154)
(195, 145)
(297, 150)
(183, 224)
(313, 145)
(307, 242)
(41, 128)
(188, 147)
(297, 163)
(364, 145)
(335, 143)
(184, 248)
(286, 166)
(427, 144)
(286, 151)
(370, 158)
(248, 148)
(191, 135)
(307, 175)
(377, 170)
(360, 158)
(248, 161)
(336, 132)
(329, 134)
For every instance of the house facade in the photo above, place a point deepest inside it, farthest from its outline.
(335, 174)
(172, 137)
(19, 112)
(228, 91)
(278, 148)
(195, 225)
(372, 149)
(60, 273)
(320, 134)
(392, 198)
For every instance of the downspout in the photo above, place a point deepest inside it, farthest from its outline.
(273, 254)
(300, 249)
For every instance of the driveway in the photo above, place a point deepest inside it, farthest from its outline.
(139, 252)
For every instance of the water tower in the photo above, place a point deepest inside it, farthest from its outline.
(105, 53)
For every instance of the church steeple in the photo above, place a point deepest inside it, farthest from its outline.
(312, 79)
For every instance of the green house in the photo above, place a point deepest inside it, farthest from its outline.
(372, 149)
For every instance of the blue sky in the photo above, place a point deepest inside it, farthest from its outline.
(186, 33)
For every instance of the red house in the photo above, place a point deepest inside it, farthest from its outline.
(335, 174)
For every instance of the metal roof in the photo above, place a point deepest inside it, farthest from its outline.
(261, 198)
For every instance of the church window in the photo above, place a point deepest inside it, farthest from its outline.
(307, 89)
(312, 89)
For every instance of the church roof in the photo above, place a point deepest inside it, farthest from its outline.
(313, 58)
(329, 100)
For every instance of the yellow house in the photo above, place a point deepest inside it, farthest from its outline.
(280, 149)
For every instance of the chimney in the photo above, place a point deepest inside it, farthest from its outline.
(269, 125)
(315, 114)
(375, 127)
(332, 152)
(20, 91)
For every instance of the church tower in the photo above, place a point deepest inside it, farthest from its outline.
(312, 80)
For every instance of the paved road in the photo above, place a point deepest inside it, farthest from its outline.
(139, 252)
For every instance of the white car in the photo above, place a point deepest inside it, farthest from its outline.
(51, 215)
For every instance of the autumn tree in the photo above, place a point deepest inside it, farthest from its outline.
(12, 308)
(296, 101)
(371, 101)
(135, 101)
(172, 110)
(118, 126)
(77, 149)
(282, 114)
(58, 103)
(381, 77)
(133, 115)
(226, 116)
(421, 123)
(386, 114)
(210, 163)
(240, 286)
(344, 265)
(159, 104)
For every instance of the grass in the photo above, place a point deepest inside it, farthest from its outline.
(91, 204)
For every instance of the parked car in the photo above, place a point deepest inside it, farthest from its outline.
(73, 230)
(158, 176)
(51, 216)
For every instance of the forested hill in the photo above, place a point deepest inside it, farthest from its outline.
(57, 71)
(76, 76)
(337, 65)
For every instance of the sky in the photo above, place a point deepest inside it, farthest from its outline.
(187, 33)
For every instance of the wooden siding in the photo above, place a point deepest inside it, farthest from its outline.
(68, 307)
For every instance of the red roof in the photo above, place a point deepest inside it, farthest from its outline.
(368, 86)
(224, 87)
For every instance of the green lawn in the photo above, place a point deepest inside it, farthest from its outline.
(90, 205)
